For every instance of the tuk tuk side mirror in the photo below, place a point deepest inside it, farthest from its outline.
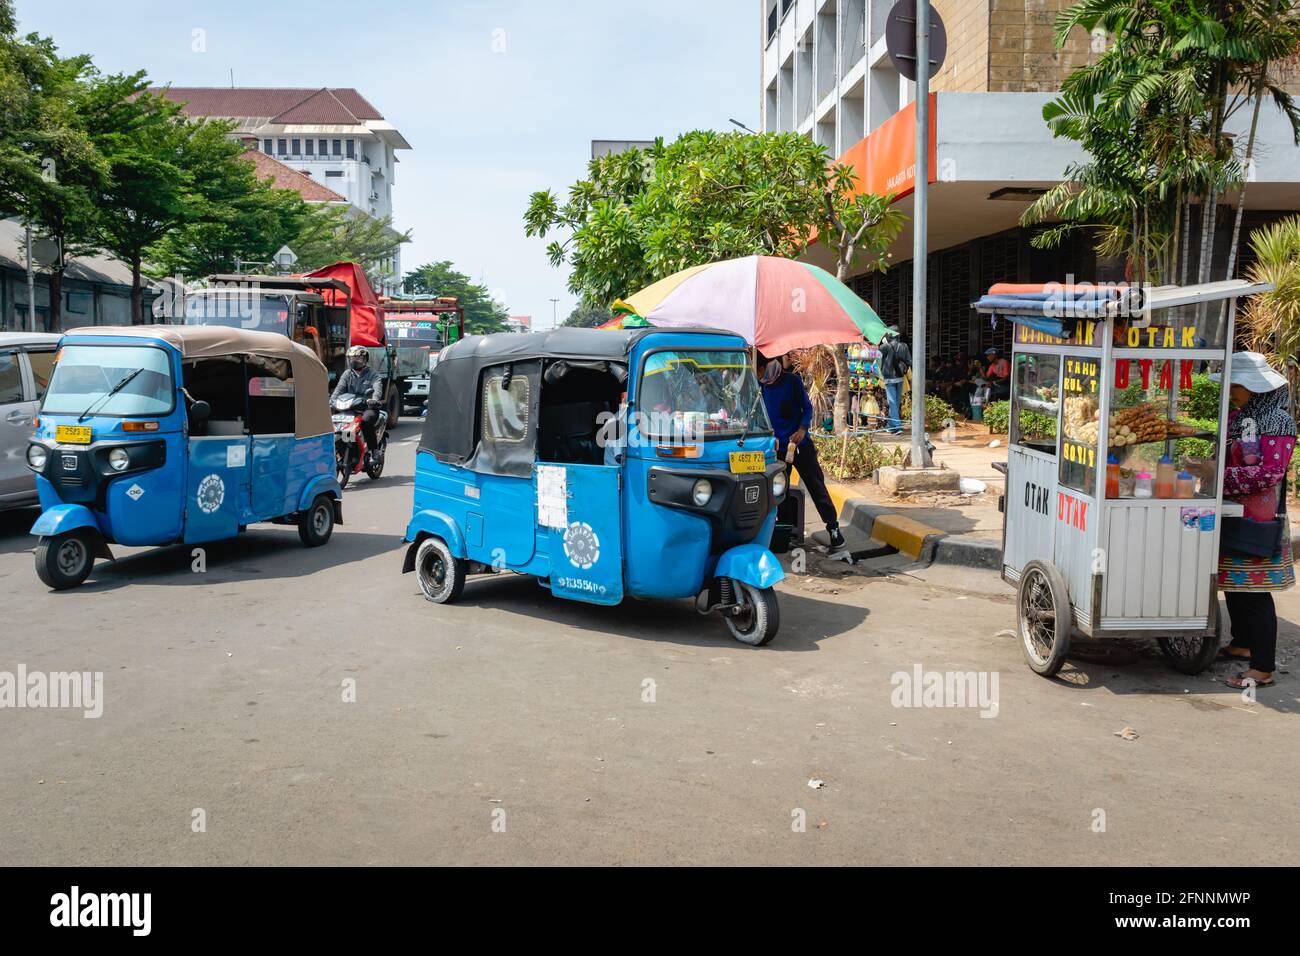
(200, 411)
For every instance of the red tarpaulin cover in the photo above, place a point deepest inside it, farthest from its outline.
(367, 323)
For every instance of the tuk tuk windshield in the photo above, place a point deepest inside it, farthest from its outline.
(700, 394)
(85, 374)
(239, 309)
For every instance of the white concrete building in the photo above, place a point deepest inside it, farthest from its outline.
(335, 136)
(827, 74)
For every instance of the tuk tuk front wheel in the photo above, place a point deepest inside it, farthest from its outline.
(316, 524)
(1044, 617)
(64, 560)
(756, 617)
(441, 575)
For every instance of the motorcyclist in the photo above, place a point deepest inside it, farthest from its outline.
(359, 380)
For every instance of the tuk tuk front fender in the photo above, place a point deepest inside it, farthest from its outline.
(63, 518)
(436, 524)
(751, 563)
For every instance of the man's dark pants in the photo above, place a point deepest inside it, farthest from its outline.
(368, 422)
(812, 480)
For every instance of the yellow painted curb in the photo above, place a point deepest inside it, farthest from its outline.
(905, 534)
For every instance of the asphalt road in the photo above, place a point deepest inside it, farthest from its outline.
(518, 728)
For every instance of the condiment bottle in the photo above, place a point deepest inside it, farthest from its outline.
(1165, 477)
(1112, 477)
(1142, 487)
(1186, 485)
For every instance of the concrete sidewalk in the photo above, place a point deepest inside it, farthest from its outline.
(952, 528)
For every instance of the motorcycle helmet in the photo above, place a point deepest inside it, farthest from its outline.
(358, 357)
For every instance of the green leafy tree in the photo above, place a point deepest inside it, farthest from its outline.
(1151, 111)
(587, 317)
(152, 153)
(483, 314)
(246, 224)
(641, 215)
(331, 234)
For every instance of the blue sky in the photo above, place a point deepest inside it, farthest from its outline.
(487, 127)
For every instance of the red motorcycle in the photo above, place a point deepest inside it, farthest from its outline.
(351, 454)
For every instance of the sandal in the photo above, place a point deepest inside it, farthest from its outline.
(1223, 655)
(1239, 682)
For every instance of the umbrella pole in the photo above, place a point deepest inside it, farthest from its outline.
(920, 454)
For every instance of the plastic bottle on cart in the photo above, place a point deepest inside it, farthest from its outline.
(1142, 488)
(1165, 477)
(1112, 477)
(1186, 485)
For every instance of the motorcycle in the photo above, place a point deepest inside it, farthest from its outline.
(351, 454)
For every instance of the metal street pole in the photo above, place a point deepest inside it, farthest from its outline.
(554, 314)
(31, 283)
(920, 456)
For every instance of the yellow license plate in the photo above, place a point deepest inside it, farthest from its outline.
(745, 462)
(72, 434)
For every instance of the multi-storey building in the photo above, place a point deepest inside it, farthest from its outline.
(334, 136)
(826, 73)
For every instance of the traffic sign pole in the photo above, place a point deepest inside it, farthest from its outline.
(921, 182)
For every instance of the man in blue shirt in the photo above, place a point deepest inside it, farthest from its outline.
(790, 413)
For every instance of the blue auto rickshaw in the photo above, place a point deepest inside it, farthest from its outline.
(157, 435)
(606, 464)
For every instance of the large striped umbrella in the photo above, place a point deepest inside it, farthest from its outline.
(776, 304)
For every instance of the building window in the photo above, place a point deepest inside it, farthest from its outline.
(324, 145)
(333, 172)
(311, 147)
(352, 152)
(266, 147)
(283, 147)
(297, 147)
(338, 147)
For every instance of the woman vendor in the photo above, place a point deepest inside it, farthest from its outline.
(1261, 437)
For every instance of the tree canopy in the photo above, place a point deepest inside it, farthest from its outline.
(483, 314)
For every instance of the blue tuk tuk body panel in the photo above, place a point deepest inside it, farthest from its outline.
(177, 488)
(598, 532)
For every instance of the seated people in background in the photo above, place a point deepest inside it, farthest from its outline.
(998, 374)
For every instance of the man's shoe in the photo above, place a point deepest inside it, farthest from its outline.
(836, 539)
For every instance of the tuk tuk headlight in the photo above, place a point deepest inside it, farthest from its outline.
(37, 456)
(778, 484)
(702, 492)
(118, 459)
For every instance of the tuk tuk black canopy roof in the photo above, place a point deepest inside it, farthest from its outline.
(450, 423)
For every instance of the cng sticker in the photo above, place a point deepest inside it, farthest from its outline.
(135, 492)
(581, 546)
(212, 491)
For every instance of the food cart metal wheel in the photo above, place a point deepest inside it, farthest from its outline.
(1192, 653)
(1044, 617)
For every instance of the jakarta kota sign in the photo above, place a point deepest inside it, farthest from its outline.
(900, 38)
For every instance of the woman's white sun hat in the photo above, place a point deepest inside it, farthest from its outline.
(1252, 371)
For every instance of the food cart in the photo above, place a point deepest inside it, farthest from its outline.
(1113, 531)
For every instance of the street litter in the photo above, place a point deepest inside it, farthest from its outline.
(1128, 733)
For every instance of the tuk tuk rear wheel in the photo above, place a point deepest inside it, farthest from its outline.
(1045, 620)
(757, 617)
(316, 524)
(64, 560)
(441, 575)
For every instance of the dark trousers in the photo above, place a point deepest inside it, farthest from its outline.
(368, 422)
(813, 481)
(1254, 626)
